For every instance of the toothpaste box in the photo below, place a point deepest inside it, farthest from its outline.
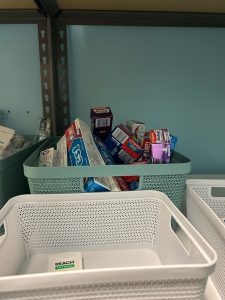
(133, 185)
(106, 155)
(145, 144)
(166, 152)
(160, 153)
(101, 121)
(77, 152)
(173, 142)
(131, 178)
(113, 183)
(96, 184)
(136, 127)
(62, 152)
(101, 184)
(159, 136)
(47, 158)
(122, 183)
(82, 151)
(122, 145)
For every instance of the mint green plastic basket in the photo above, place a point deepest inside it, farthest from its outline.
(167, 178)
(12, 179)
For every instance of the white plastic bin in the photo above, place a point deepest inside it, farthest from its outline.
(128, 246)
(205, 209)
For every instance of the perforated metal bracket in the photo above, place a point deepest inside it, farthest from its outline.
(47, 72)
(63, 104)
(54, 73)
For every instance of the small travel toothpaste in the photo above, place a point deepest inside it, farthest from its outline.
(67, 261)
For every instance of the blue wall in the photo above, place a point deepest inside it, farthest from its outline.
(167, 77)
(20, 83)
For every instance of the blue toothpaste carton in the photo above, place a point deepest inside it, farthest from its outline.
(82, 151)
(173, 142)
(107, 157)
(122, 145)
(95, 184)
(77, 153)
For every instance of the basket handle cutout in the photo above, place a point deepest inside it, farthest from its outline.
(181, 236)
(2, 232)
(218, 192)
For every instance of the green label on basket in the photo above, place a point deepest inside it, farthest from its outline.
(65, 261)
(60, 267)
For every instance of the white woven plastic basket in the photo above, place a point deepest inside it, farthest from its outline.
(204, 210)
(129, 248)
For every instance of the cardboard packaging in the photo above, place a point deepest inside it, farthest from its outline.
(62, 152)
(122, 145)
(48, 158)
(136, 127)
(82, 151)
(101, 121)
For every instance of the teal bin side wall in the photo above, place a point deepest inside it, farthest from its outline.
(20, 81)
(167, 77)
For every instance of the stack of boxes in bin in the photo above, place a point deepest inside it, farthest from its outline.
(11, 142)
(101, 145)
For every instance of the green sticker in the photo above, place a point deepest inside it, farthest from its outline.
(64, 266)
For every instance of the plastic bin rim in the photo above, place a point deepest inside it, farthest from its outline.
(186, 226)
(15, 157)
(173, 272)
(180, 165)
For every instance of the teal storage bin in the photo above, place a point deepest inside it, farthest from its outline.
(168, 178)
(12, 179)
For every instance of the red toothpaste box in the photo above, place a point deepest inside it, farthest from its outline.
(122, 145)
(134, 177)
(101, 121)
(145, 143)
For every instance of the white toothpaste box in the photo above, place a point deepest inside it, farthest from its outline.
(136, 127)
(62, 152)
(67, 261)
(47, 158)
(114, 186)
